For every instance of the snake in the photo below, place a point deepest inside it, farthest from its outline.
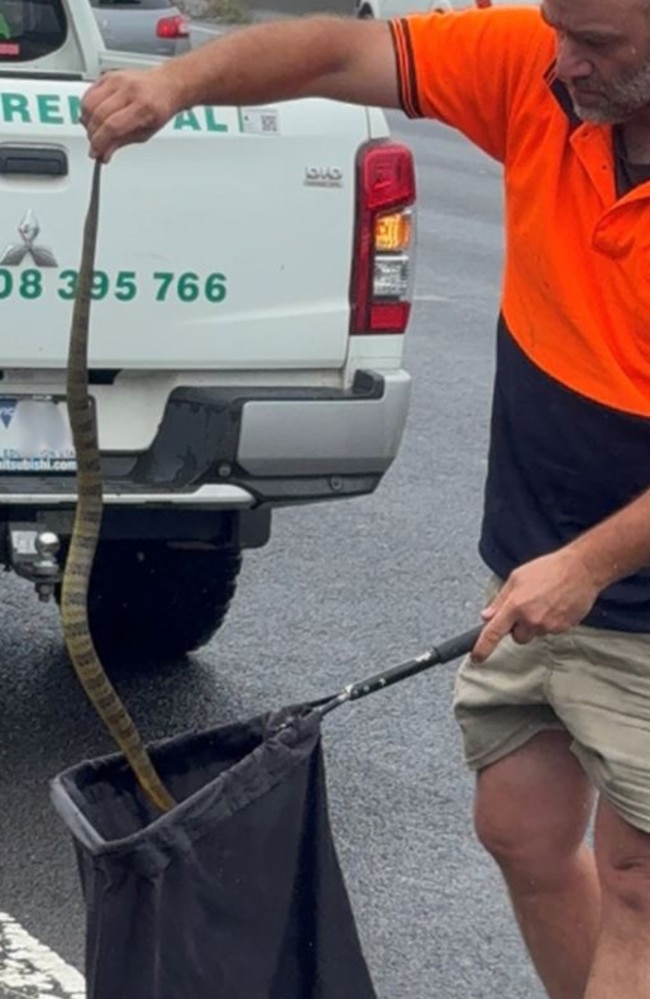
(87, 526)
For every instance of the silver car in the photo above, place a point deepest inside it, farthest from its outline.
(385, 9)
(155, 27)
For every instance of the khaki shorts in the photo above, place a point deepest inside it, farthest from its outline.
(593, 683)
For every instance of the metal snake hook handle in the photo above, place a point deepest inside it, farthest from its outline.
(446, 652)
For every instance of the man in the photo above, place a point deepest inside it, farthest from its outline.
(562, 99)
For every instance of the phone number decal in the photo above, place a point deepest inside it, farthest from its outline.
(161, 286)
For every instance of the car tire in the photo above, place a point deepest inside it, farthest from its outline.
(153, 601)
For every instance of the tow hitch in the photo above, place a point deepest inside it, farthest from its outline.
(32, 554)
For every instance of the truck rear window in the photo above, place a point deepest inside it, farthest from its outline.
(126, 4)
(30, 28)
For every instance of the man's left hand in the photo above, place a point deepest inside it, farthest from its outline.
(546, 596)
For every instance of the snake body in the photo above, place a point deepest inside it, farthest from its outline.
(86, 529)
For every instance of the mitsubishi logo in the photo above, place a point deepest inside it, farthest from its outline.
(16, 253)
(7, 410)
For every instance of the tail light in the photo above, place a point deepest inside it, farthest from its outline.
(177, 26)
(382, 271)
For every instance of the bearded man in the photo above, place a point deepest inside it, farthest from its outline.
(554, 704)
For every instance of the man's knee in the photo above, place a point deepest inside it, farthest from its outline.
(623, 859)
(520, 836)
(531, 814)
(627, 883)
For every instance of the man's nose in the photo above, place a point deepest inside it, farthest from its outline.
(570, 63)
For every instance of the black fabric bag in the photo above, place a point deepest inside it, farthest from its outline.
(237, 892)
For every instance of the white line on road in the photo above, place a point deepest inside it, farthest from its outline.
(30, 969)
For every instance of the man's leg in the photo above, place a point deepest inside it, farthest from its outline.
(621, 966)
(532, 811)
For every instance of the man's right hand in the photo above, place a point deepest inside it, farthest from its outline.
(342, 59)
(127, 107)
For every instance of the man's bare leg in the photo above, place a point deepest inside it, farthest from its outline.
(621, 966)
(532, 812)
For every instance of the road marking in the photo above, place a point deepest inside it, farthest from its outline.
(430, 297)
(31, 970)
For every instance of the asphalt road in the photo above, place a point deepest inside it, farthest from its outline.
(340, 590)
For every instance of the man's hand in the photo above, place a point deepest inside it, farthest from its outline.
(339, 58)
(126, 107)
(546, 596)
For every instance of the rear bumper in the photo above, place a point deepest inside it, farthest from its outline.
(357, 433)
(234, 449)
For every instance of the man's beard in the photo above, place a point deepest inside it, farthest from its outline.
(613, 102)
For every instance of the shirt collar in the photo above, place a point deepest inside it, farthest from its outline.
(562, 96)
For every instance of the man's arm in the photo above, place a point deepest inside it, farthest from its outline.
(340, 58)
(552, 593)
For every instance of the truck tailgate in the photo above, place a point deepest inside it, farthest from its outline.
(224, 242)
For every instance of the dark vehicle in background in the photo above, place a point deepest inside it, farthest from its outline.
(153, 27)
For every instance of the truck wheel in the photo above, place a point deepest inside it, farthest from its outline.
(152, 600)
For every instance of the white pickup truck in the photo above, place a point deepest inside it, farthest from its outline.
(250, 303)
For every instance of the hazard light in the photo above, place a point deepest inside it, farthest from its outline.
(382, 269)
(393, 232)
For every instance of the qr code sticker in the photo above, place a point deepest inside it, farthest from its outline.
(260, 121)
(269, 123)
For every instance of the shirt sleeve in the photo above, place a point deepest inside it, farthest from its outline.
(472, 69)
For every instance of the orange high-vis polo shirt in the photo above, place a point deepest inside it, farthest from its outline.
(570, 440)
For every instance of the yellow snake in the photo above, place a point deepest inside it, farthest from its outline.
(85, 533)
